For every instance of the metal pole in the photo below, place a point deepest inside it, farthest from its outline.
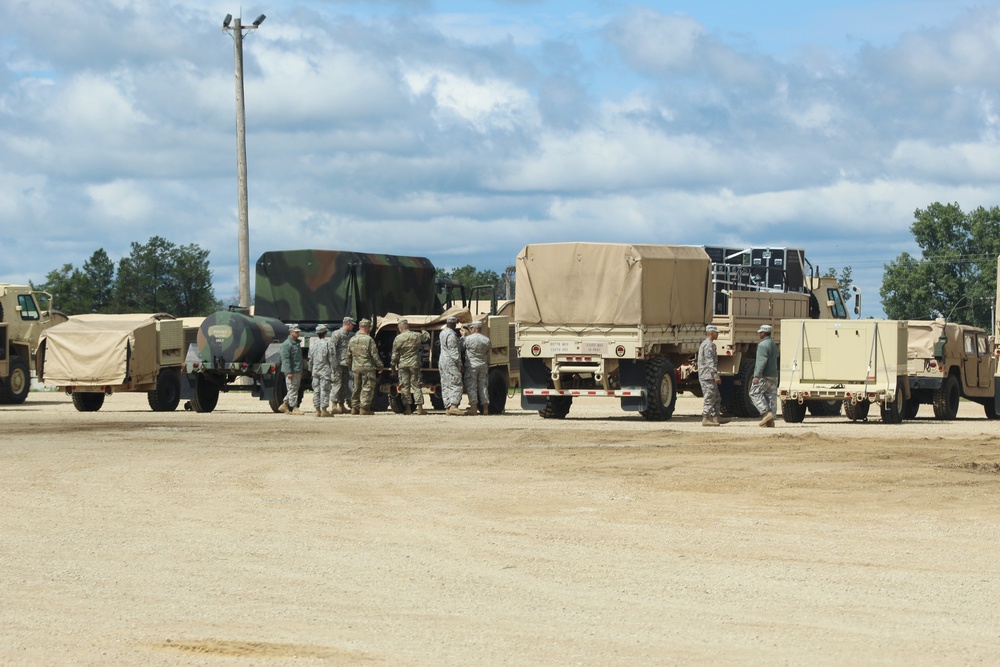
(241, 170)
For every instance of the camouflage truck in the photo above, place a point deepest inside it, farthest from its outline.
(859, 362)
(22, 323)
(93, 356)
(626, 320)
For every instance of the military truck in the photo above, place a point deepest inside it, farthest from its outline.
(626, 320)
(93, 356)
(860, 362)
(22, 323)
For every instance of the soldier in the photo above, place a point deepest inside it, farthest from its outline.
(322, 359)
(450, 367)
(708, 376)
(477, 361)
(339, 390)
(291, 366)
(406, 361)
(363, 360)
(764, 392)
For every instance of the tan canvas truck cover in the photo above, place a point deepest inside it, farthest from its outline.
(613, 284)
(94, 349)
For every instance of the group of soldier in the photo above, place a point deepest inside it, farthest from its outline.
(764, 388)
(463, 364)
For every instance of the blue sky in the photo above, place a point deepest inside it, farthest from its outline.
(462, 131)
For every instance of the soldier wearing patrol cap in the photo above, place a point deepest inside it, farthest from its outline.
(708, 376)
(406, 361)
(450, 367)
(291, 366)
(339, 385)
(322, 359)
(764, 391)
(477, 363)
(364, 362)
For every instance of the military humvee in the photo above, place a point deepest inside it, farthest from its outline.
(22, 323)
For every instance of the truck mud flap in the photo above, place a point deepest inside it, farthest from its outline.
(188, 382)
(632, 373)
(534, 375)
(263, 388)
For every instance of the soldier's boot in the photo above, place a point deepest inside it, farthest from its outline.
(325, 413)
(473, 409)
(296, 412)
(484, 409)
(366, 411)
(333, 409)
(454, 411)
(355, 410)
(768, 417)
(283, 407)
(408, 409)
(420, 410)
(709, 421)
(722, 420)
(770, 424)
(343, 408)
(319, 412)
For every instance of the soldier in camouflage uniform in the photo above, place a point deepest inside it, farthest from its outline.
(406, 360)
(321, 363)
(363, 360)
(339, 390)
(708, 376)
(477, 362)
(291, 366)
(450, 367)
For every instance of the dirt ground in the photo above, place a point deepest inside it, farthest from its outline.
(246, 537)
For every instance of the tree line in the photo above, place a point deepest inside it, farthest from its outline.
(156, 276)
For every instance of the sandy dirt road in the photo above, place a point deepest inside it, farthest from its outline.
(245, 537)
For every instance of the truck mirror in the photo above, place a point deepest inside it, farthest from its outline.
(857, 304)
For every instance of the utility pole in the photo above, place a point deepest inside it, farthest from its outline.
(241, 155)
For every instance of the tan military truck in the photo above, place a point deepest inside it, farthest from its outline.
(21, 325)
(93, 356)
(859, 362)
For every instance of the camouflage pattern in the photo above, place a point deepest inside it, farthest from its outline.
(764, 395)
(321, 364)
(712, 405)
(340, 391)
(406, 348)
(450, 367)
(338, 341)
(292, 382)
(477, 357)
(409, 386)
(312, 286)
(225, 337)
(363, 360)
(708, 372)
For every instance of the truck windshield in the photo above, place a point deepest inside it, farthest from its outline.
(28, 309)
(838, 308)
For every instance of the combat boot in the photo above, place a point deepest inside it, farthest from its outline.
(768, 417)
(420, 410)
(343, 408)
(473, 409)
(334, 409)
(325, 413)
(355, 411)
(770, 424)
(319, 412)
(366, 412)
(408, 408)
(484, 409)
(454, 411)
(283, 407)
(722, 420)
(709, 421)
(295, 411)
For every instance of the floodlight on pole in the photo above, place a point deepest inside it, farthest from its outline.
(237, 29)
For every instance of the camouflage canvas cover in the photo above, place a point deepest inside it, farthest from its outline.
(308, 287)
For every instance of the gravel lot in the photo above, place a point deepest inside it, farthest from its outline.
(246, 537)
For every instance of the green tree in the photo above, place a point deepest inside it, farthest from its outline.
(68, 288)
(469, 276)
(955, 276)
(146, 277)
(192, 283)
(843, 279)
(99, 272)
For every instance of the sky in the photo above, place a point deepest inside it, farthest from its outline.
(462, 131)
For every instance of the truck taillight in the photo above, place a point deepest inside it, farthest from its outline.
(536, 350)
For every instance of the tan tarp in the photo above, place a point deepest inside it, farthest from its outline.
(92, 349)
(426, 321)
(924, 335)
(613, 284)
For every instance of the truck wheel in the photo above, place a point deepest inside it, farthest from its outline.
(14, 390)
(857, 411)
(206, 395)
(380, 402)
(280, 389)
(793, 412)
(991, 409)
(946, 398)
(496, 388)
(741, 390)
(661, 390)
(167, 394)
(893, 412)
(437, 401)
(88, 401)
(911, 409)
(825, 408)
(556, 407)
(396, 403)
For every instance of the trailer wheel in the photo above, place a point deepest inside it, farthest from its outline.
(88, 401)
(742, 404)
(206, 395)
(911, 409)
(556, 407)
(793, 412)
(892, 413)
(496, 389)
(167, 394)
(396, 403)
(661, 390)
(991, 408)
(437, 401)
(825, 408)
(857, 411)
(946, 398)
(278, 395)
(14, 390)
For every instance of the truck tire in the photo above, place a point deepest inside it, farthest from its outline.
(893, 412)
(857, 411)
(946, 398)
(742, 404)
(206, 395)
(396, 403)
(991, 409)
(556, 407)
(793, 412)
(437, 401)
(496, 389)
(14, 390)
(167, 394)
(88, 401)
(661, 390)
(278, 395)
(911, 409)
(825, 408)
